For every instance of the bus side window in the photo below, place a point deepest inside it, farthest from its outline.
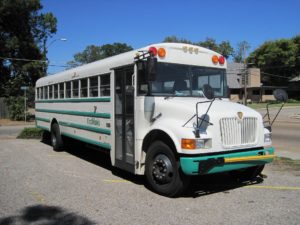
(50, 91)
(55, 94)
(37, 94)
(75, 88)
(105, 85)
(45, 92)
(68, 90)
(61, 90)
(93, 86)
(83, 88)
(41, 93)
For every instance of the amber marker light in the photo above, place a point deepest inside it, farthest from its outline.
(161, 52)
(215, 59)
(189, 144)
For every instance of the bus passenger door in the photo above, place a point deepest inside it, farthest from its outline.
(124, 119)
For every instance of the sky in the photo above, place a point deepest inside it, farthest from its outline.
(139, 23)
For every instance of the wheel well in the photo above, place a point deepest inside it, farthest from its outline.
(158, 135)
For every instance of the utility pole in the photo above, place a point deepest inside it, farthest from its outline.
(245, 76)
(25, 88)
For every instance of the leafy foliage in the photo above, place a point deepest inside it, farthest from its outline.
(223, 48)
(278, 60)
(24, 32)
(15, 108)
(93, 53)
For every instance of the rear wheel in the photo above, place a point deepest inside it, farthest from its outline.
(162, 171)
(248, 173)
(56, 139)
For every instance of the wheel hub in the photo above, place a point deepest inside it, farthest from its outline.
(162, 169)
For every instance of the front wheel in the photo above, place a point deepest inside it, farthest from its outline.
(162, 171)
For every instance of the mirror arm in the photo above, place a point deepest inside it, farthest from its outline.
(282, 104)
(197, 134)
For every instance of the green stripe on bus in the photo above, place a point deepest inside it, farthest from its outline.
(74, 100)
(43, 128)
(98, 143)
(85, 127)
(75, 113)
(42, 119)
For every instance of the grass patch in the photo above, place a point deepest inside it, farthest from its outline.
(286, 163)
(31, 133)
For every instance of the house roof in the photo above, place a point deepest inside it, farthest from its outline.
(234, 70)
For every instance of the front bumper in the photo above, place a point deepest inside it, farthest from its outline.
(226, 161)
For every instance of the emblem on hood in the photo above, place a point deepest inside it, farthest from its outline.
(240, 115)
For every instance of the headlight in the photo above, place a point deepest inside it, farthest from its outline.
(268, 138)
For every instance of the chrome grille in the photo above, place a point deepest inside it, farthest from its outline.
(236, 132)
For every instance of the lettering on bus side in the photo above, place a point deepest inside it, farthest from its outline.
(93, 121)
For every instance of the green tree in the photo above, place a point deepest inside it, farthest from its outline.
(93, 53)
(174, 39)
(226, 49)
(24, 32)
(278, 60)
(223, 48)
(209, 43)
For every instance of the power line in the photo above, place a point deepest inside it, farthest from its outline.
(32, 60)
(26, 60)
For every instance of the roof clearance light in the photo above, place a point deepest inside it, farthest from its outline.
(161, 52)
(215, 59)
(153, 51)
(222, 60)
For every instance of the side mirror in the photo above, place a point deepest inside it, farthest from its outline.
(208, 91)
(280, 95)
(151, 69)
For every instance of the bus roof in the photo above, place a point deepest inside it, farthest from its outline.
(179, 53)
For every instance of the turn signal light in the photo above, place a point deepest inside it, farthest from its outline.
(161, 52)
(188, 143)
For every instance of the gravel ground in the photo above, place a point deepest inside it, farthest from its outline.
(78, 186)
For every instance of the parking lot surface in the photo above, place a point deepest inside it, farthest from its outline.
(79, 186)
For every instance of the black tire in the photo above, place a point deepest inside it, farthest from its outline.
(247, 174)
(56, 139)
(162, 171)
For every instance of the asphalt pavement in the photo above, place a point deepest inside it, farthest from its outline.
(79, 186)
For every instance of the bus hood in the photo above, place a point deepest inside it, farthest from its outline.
(182, 109)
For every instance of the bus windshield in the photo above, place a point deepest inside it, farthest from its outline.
(187, 80)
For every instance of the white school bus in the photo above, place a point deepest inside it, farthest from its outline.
(161, 111)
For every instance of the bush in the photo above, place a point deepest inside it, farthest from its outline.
(15, 108)
(31, 133)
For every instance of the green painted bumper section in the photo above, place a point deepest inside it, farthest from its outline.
(190, 165)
